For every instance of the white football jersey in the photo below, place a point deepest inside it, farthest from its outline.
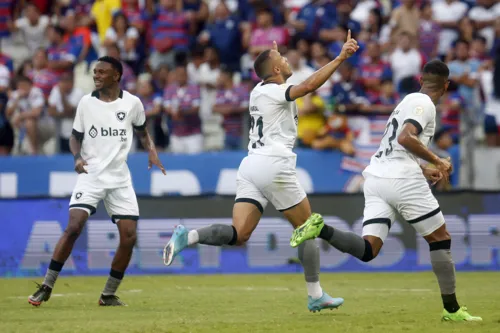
(107, 137)
(273, 120)
(392, 160)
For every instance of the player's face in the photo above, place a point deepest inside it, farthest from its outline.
(281, 65)
(104, 75)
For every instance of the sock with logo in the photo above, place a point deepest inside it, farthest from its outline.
(52, 273)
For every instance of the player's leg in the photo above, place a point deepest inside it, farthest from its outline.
(420, 208)
(378, 216)
(83, 203)
(308, 253)
(247, 211)
(121, 204)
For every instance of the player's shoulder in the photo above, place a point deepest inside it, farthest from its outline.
(417, 102)
(272, 90)
(126, 96)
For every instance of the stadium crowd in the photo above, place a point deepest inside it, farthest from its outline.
(190, 61)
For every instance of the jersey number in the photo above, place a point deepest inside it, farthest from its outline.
(395, 126)
(260, 127)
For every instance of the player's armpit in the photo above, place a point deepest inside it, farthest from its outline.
(140, 128)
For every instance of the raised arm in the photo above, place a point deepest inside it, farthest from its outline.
(318, 78)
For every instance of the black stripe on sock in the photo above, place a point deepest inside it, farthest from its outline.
(450, 303)
(89, 207)
(326, 232)
(441, 245)
(426, 216)
(116, 274)
(252, 201)
(55, 266)
(378, 220)
(235, 236)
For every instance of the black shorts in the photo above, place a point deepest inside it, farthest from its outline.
(6, 136)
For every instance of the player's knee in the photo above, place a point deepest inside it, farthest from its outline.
(372, 248)
(243, 237)
(439, 235)
(74, 229)
(129, 238)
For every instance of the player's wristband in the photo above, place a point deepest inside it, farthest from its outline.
(77, 156)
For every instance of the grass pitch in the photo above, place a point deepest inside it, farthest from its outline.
(251, 303)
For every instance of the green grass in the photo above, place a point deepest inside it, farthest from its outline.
(251, 303)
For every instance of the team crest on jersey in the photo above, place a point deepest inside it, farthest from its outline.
(93, 132)
(120, 115)
(78, 195)
(418, 110)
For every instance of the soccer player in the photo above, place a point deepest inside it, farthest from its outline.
(100, 142)
(396, 182)
(268, 172)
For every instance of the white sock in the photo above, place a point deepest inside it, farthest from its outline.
(193, 237)
(314, 290)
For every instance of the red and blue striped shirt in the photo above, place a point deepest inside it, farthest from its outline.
(171, 25)
(236, 97)
(182, 98)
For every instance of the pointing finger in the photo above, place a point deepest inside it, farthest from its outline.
(349, 35)
(275, 45)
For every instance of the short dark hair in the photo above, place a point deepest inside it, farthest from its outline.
(59, 30)
(23, 78)
(435, 74)
(115, 63)
(260, 65)
(436, 67)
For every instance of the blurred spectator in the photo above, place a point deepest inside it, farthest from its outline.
(42, 77)
(325, 91)
(62, 103)
(484, 14)
(125, 36)
(62, 55)
(335, 47)
(466, 31)
(329, 32)
(26, 67)
(363, 9)
(33, 27)
(429, 32)
(207, 81)
(348, 94)
(335, 135)
(309, 19)
(373, 70)
(194, 66)
(25, 110)
(300, 69)
(372, 27)
(170, 33)
(266, 32)
(405, 20)
(102, 14)
(160, 78)
(318, 51)
(182, 104)
(6, 14)
(80, 37)
(479, 50)
(226, 34)
(442, 142)
(311, 118)
(451, 109)
(231, 102)
(6, 60)
(387, 99)
(6, 132)
(136, 15)
(128, 81)
(464, 71)
(199, 10)
(448, 14)
(152, 106)
(406, 60)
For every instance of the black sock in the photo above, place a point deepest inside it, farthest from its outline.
(450, 303)
(326, 233)
(52, 273)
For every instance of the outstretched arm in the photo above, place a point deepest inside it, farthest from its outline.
(319, 77)
(148, 144)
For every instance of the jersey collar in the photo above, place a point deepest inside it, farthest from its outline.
(95, 94)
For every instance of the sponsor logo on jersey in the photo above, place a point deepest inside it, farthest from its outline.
(93, 132)
(107, 132)
(120, 115)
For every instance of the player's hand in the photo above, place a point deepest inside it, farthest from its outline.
(80, 165)
(433, 175)
(275, 46)
(350, 47)
(445, 167)
(154, 160)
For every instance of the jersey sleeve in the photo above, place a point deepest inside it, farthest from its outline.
(139, 119)
(420, 115)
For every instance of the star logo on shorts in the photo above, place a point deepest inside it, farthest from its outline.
(120, 115)
(78, 195)
(93, 132)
